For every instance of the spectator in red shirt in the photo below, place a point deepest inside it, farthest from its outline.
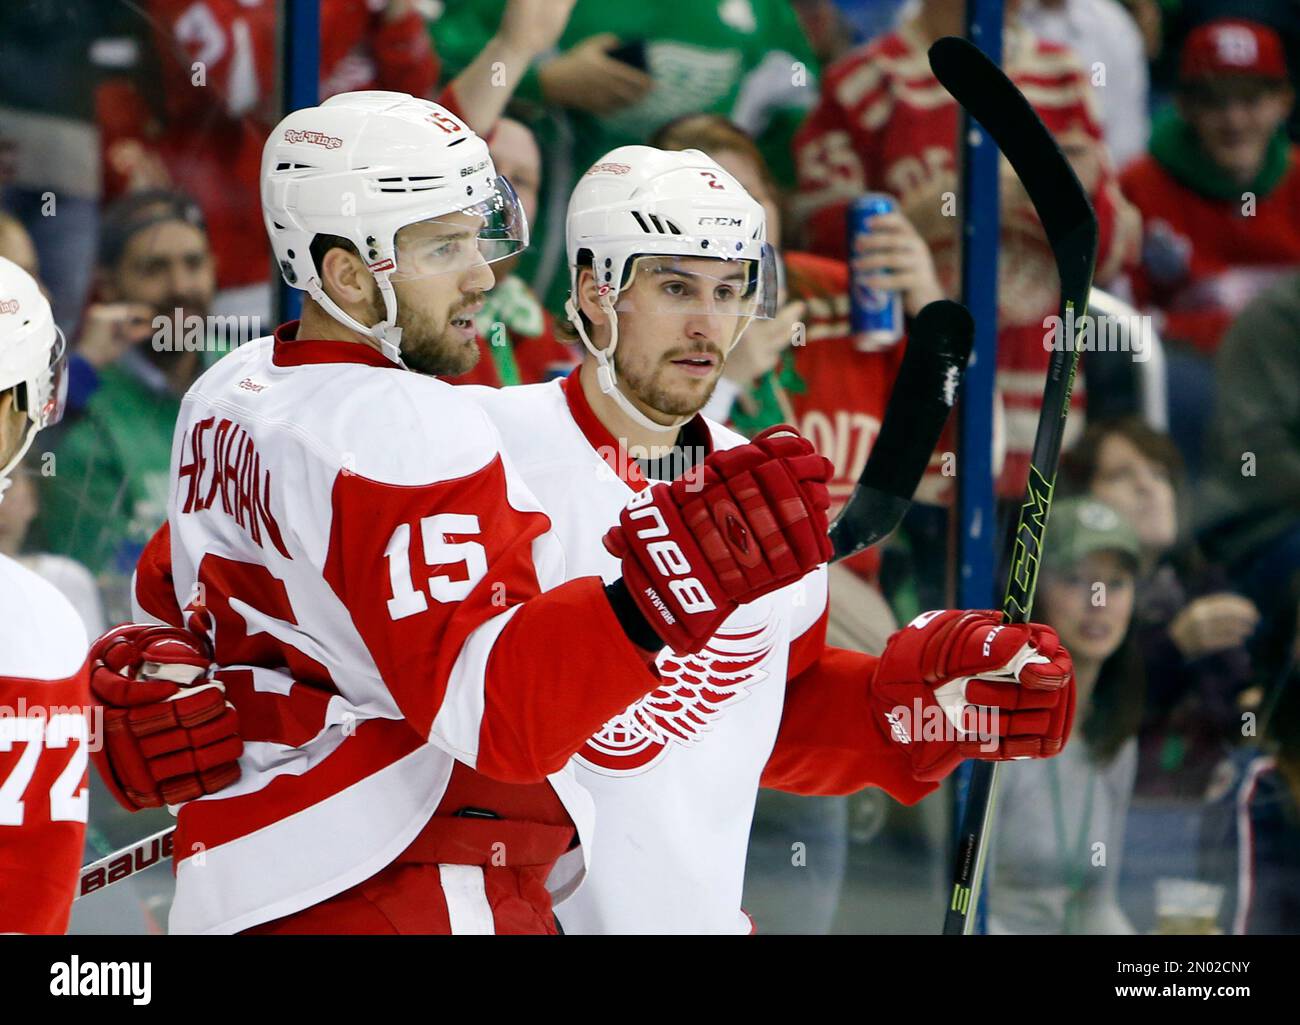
(1219, 191)
(1219, 194)
(884, 123)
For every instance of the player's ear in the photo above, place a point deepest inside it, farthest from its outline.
(588, 293)
(345, 278)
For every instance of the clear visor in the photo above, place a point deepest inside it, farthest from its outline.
(454, 243)
(670, 286)
(52, 392)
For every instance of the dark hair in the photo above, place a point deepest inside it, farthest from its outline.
(1118, 700)
(1079, 470)
(322, 244)
(1201, 91)
(133, 213)
(1079, 464)
(1118, 697)
(564, 329)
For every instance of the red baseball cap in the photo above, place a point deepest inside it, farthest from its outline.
(1232, 46)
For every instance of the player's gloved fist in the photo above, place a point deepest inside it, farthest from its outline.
(751, 521)
(958, 684)
(169, 733)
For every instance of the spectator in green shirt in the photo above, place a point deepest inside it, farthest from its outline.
(141, 347)
(621, 72)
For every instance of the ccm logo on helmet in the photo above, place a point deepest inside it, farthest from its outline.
(8, 305)
(722, 222)
(668, 556)
(314, 138)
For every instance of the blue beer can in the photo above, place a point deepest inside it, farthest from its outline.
(875, 315)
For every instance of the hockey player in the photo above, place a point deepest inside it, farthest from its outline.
(366, 564)
(674, 775)
(44, 730)
(660, 245)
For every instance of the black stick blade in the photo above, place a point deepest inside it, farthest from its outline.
(938, 348)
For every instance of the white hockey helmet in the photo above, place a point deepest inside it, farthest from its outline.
(363, 165)
(32, 357)
(638, 202)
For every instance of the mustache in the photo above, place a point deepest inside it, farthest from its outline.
(472, 300)
(694, 350)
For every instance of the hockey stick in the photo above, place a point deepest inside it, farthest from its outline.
(129, 861)
(1070, 224)
(938, 348)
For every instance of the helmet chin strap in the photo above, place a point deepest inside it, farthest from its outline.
(606, 378)
(386, 332)
(6, 479)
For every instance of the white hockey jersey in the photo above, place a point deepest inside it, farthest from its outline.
(367, 565)
(676, 774)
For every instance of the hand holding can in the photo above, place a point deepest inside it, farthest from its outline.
(892, 271)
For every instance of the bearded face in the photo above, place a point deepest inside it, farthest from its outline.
(438, 334)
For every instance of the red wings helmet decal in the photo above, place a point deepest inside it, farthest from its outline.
(697, 690)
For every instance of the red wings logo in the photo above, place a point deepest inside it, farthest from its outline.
(696, 690)
(312, 138)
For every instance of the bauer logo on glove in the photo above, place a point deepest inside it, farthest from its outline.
(752, 521)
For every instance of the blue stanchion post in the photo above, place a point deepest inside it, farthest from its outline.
(977, 540)
(299, 87)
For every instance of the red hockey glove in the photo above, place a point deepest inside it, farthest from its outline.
(958, 684)
(751, 521)
(166, 738)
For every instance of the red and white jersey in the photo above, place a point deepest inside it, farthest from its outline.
(675, 775)
(367, 565)
(44, 733)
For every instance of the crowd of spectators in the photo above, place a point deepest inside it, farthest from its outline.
(130, 145)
